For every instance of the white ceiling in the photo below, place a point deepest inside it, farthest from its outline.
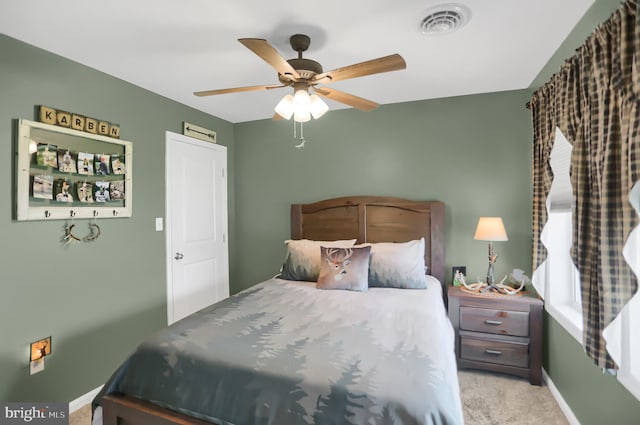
(176, 47)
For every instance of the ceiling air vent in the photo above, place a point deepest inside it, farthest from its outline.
(444, 19)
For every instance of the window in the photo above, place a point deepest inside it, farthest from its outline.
(562, 295)
(558, 279)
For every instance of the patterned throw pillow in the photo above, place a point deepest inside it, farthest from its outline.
(344, 268)
(302, 260)
(398, 265)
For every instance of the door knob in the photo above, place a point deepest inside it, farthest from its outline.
(179, 256)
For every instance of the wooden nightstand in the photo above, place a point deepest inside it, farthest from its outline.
(501, 333)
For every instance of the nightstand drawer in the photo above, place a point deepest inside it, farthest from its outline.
(500, 352)
(503, 322)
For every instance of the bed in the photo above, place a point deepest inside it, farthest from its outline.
(285, 352)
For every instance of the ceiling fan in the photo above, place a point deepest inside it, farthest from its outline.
(305, 74)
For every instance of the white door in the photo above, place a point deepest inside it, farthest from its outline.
(197, 251)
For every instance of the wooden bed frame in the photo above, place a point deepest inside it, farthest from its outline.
(365, 218)
(375, 219)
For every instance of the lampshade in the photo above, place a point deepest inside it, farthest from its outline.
(285, 107)
(490, 229)
(318, 107)
(302, 115)
(301, 98)
(301, 105)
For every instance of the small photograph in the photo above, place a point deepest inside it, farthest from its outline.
(47, 155)
(67, 161)
(85, 192)
(62, 190)
(117, 164)
(116, 190)
(102, 164)
(43, 187)
(101, 192)
(85, 163)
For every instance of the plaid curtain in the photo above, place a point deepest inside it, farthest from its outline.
(594, 100)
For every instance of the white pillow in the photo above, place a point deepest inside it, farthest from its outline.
(398, 265)
(302, 260)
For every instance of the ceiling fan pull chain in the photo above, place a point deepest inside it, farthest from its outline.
(302, 141)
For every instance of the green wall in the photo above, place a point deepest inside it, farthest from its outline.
(595, 398)
(97, 300)
(470, 152)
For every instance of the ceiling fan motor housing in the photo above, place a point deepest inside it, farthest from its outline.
(307, 68)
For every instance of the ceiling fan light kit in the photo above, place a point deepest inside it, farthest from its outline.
(301, 106)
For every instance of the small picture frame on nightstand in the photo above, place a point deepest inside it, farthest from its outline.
(458, 275)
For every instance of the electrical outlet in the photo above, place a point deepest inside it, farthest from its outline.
(38, 351)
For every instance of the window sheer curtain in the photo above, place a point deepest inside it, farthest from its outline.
(594, 101)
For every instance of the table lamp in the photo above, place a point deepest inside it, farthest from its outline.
(490, 229)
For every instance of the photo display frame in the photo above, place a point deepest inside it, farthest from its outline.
(64, 173)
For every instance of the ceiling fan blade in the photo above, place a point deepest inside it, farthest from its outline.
(347, 99)
(270, 55)
(393, 62)
(237, 89)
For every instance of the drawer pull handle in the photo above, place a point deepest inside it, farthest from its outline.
(494, 352)
(493, 322)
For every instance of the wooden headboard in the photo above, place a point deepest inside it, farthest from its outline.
(375, 219)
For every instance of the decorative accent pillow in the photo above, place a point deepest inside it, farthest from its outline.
(344, 268)
(302, 261)
(398, 265)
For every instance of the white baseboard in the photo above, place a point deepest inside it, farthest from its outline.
(559, 399)
(83, 400)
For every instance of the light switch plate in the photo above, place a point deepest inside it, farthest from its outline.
(159, 224)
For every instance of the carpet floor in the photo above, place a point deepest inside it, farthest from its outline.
(496, 399)
(487, 399)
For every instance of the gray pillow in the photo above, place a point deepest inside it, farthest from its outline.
(302, 260)
(398, 265)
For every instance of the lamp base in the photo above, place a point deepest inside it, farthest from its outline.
(490, 287)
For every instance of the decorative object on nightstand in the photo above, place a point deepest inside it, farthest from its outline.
(516, 283)
(490, 229)
(498, 332)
